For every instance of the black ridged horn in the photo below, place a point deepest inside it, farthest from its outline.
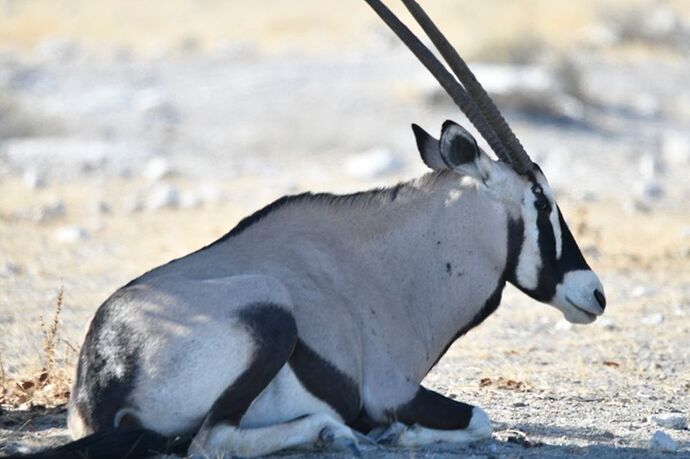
(444, 77)
(518, 156)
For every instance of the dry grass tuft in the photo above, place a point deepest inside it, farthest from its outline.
(49, 386)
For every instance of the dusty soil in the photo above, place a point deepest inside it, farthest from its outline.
(237, 128)
(551, 389)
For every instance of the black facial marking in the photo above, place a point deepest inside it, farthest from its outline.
(325, 381)
(552, 270)
(108, 364)
(571, 256)
(489, 307)
(433, 410)
(275, 334)
(449, 269)
(516, 236)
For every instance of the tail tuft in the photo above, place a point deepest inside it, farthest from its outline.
(115, 444)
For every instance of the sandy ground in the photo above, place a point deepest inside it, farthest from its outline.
(239, 124)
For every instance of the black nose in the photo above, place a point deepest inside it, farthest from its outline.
(601, 299)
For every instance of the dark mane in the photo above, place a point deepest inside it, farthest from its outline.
(366, 198)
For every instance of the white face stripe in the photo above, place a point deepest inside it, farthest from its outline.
(529, 262)
(556, 225)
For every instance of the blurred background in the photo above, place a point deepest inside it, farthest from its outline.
(132, 132)
(135, 131)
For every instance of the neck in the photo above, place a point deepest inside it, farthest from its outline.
(448, 245)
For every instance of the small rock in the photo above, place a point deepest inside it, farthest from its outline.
(563, 325)
(10, 269)
(101, 208)
(156, 109)
(71, 234)
(649, 190)
(157, 168)
(606, 324)
(58, 49)
(50, 211)
(190, 200)
(132, 204)
(675, 148)
(42, 214)
(676, 421)
(371, 164)
(651, 165)
(653, 319)
(210, 194)
(164, 196)
(642, 290)
(663, 442)
(33, 180)
(646, 104)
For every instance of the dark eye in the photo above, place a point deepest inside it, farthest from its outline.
(541, 205)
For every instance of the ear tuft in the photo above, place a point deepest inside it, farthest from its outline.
(457, 146)
(429, 149)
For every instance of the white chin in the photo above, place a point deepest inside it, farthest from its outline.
(576, 316)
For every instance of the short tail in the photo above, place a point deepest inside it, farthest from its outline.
(115, 444)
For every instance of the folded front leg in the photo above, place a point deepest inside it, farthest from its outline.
(434, 418)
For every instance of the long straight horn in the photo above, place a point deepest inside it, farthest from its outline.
(447, 81)
(518, 156)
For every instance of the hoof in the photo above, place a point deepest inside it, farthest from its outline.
(330, 439)
(390, 435)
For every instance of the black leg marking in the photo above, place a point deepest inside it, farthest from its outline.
(275, 332)
(433, 410)
(108, 364)
(326, 382)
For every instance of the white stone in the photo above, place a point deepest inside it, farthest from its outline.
(163, 196)
(190, 200)
(675, 148)
(563, 325)
(371, 164)
(606, 323)
(676, 421)
(646, 104)
(649, 190)
(601, 35)
(33, 180)
(642, 290)
(653, 319)
(661, 441)
(210, 194)
(651, 166)
(157, 168)
(70, 234)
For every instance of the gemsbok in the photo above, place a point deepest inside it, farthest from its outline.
(315, 320)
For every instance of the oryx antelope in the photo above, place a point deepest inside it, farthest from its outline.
(318, 317)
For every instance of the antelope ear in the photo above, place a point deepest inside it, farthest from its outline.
(460, 152)
(457, 145)
(429, 149)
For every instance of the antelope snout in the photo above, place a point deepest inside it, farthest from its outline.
(580, 296)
